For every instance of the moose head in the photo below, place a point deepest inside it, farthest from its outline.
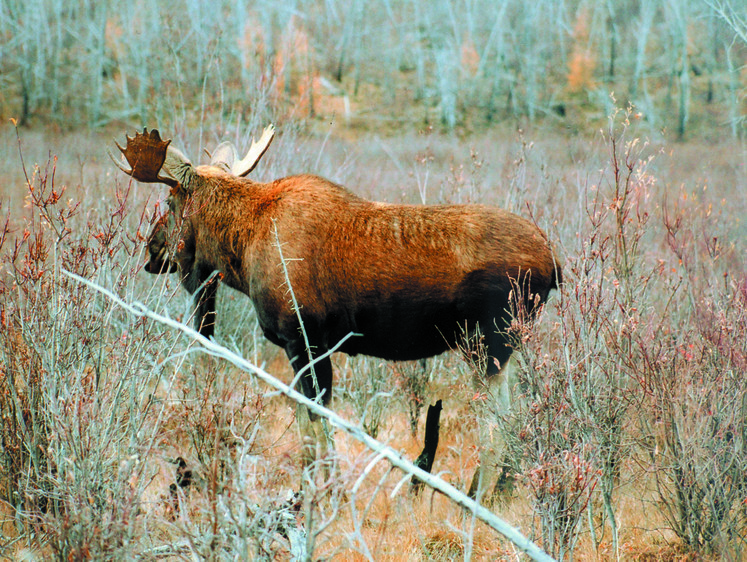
(171, 243)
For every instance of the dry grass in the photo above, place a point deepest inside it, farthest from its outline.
(154, 402)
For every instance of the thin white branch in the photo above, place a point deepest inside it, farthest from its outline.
(212, 348)
(730, 16)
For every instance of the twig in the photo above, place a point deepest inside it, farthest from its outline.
(212, 348)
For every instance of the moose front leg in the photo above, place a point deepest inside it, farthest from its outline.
(205, 307)
(316, 381)
(202, 283)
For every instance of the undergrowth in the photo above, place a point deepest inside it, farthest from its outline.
(118, 440)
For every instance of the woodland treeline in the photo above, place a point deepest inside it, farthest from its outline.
(445, 63)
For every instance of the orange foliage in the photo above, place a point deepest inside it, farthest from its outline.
(581, 70)
(309, 89)
(113, 41)
(470, 58)
(296, 80)
(253, 43)
(278, 73)
(581, 27)
(582, 62)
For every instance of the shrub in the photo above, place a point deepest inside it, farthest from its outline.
(75, 374)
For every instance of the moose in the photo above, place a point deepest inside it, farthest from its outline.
(397, 282)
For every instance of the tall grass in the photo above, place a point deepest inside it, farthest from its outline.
(77, 374)
(627, 430)
(636, 370)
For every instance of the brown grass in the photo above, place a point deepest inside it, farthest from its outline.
(193, 403)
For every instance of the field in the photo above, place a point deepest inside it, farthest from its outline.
(121, 438)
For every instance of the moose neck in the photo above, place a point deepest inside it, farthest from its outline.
(222, 211)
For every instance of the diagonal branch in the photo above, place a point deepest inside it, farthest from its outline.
(211, 347)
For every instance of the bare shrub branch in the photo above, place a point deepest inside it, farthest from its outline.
(210, 347)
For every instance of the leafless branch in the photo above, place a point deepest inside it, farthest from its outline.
(211, 347)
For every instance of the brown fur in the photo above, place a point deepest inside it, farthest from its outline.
(407, 279)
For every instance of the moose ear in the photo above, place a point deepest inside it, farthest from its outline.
(224, 156)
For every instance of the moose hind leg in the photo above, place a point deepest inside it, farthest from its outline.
(494, 468)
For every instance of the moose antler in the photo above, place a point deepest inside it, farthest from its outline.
(256, 151)
(225, 155)
(146, 154)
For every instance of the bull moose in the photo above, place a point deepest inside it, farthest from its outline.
(407, 281)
